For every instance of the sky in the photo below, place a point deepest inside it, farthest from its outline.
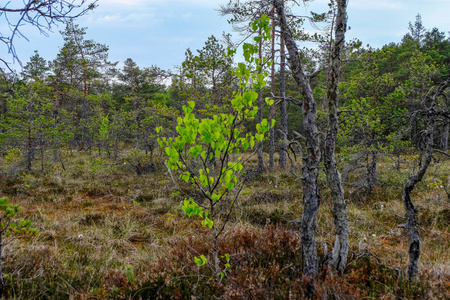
(158, 32)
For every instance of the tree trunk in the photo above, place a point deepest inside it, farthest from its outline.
(371, 166)
(445, 136)
(283, 107)
(426, 154)
(411, 211)
(340, 249)
(312, 155)
(260, 117)
(55, 118)
(2, 279)
(30, 149)
(272, 107)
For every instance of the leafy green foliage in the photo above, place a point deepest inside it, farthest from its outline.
(205, 152)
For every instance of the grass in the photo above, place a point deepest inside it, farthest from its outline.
(108, 233)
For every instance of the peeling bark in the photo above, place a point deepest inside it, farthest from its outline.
(445, 136)
(340, 249)
(411, 211)
(312, 155)
(426, 155)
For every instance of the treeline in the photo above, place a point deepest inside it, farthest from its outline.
(82, 101)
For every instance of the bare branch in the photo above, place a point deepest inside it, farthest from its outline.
(39, 14)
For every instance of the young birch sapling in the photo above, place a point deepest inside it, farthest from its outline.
(206, 151)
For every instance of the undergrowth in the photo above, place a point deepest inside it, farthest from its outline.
(107, 233)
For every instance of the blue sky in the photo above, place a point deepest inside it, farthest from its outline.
(157, 32)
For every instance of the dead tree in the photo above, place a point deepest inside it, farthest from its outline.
(340, 249)
(429, 114)
(311, 153)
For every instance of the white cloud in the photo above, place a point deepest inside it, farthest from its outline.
(376, 5)
(134, 3)
(126, 3)
(110, 19)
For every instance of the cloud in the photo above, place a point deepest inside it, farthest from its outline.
(110, 19)
(126, 3)
(376, 5)
(134, 3)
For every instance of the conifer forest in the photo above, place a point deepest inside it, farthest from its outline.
(276, 163)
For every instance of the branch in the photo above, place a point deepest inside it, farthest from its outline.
(442, 152)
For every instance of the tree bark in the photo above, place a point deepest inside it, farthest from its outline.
(283, 107)
(260, 117)
(272, 107)
(371, 167)
(312, 155)
(426, 155)
(340, 249)
(411, 211)
(445, 136)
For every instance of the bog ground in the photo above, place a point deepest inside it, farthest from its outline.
(105, 232)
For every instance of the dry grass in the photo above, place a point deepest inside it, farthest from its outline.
(107, 233)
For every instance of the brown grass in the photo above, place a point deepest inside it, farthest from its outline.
(108, 233)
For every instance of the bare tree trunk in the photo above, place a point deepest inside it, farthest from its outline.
(260, 117)
(445, 136)
(411, 211)
(283, 107)
(272, 107)
(426, 154)
(55, 117)
(311, 157)
(371, 166)
(30, 149)
(447, 126)
(340, 249)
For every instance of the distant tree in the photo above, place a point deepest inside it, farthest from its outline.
(28, 122)
(91, 57)
(217, 68)
(78, 71)
(41, 14)
(36, 69)
(242, 13)
(417, 30)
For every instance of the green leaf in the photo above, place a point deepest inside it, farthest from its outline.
(208, 222)
(200, 260)
(269, 101)
(186, 176)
